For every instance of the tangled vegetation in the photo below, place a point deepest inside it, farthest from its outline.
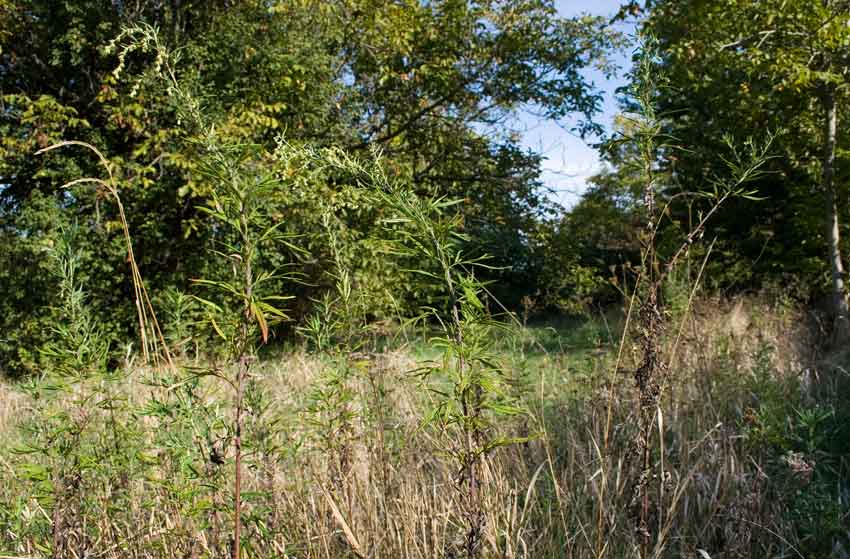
(272, 290)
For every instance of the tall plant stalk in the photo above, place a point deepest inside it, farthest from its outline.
(653, 364)
(240, 203)
(151, 338)
(477, 396)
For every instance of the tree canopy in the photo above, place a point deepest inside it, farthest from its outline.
(429, 88)
(429, 85)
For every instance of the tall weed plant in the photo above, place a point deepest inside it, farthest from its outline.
(653, 499)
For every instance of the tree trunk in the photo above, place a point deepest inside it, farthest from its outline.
(841, 315)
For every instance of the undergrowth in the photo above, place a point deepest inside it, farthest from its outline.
(340, 463)
(462, 432)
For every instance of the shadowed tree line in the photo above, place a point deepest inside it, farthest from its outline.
(430, 86)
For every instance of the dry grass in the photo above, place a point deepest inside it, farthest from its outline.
(14, 405)
(558, 495)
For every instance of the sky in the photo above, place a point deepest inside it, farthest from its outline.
(569, 161)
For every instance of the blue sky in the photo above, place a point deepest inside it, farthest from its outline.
(569, 161)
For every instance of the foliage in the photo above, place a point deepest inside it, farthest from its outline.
(343, 171)
(431, 84)
(70, 453)
(804, 439)
(472, 389)
(658, 265)
(738, 494)
(735, 67)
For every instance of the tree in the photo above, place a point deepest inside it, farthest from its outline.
(430, 84)
(776, 65)
(805, 47)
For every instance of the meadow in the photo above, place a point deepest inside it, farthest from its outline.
(280, 280)
(346, 455)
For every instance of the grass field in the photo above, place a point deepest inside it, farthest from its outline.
(751, 457)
